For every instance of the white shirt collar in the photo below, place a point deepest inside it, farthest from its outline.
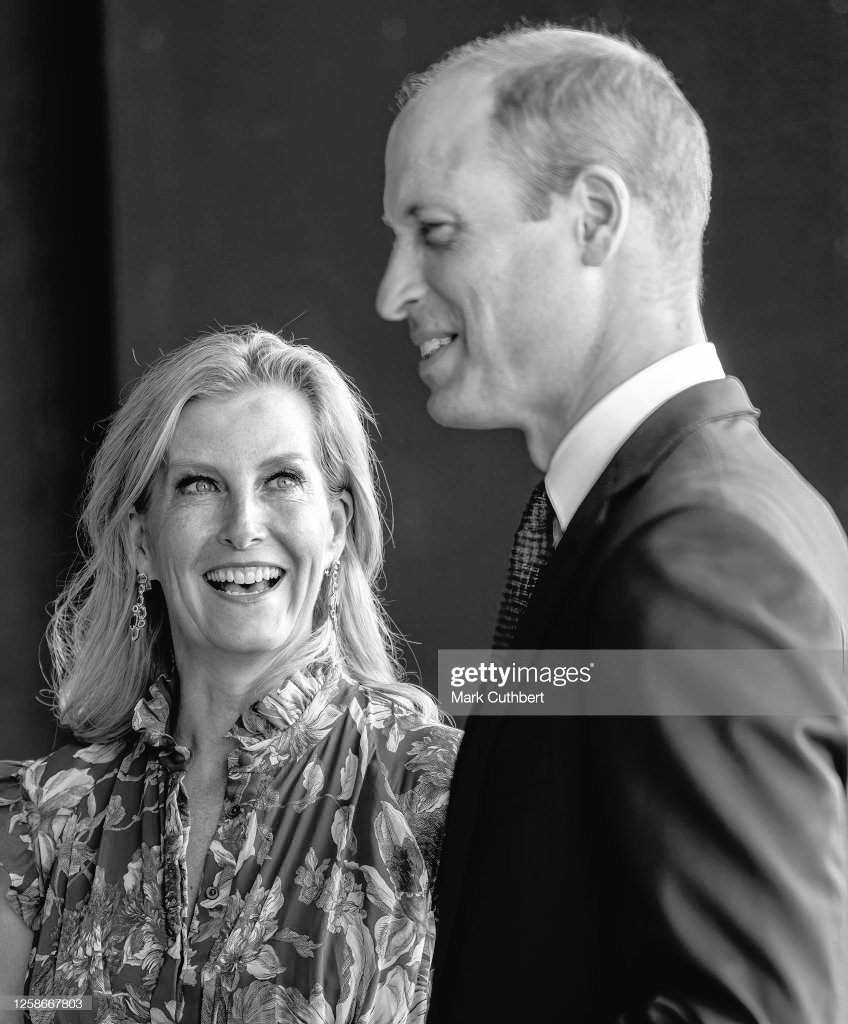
(590, 445)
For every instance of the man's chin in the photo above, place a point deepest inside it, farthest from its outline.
(451, 411)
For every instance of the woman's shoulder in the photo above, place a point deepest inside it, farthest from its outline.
(399, 726)
(414, 751)
(65, 775)
(415, 756)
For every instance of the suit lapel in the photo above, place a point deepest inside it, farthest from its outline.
(563, 567)
(650, 444)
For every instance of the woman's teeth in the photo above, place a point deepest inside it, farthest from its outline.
(427, 348)
(246, 579)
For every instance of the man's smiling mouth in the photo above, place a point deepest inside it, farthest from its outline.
(433, 345)
(244, 579)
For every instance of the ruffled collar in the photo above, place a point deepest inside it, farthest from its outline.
(285, 723)
(154, 717)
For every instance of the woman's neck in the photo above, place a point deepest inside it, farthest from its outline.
(213, 693)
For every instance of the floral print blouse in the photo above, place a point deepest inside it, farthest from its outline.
(316, 900)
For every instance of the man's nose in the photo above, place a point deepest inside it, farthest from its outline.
(402, 285)
(244, 524)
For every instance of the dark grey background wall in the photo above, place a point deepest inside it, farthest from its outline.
(244, 185)
(56, 337)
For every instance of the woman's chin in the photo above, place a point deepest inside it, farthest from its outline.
(233, 641)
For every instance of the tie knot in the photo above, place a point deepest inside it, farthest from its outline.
(536, 525)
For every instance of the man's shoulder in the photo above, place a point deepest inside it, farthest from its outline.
(725, 525)
(727, 471)
(699, 575)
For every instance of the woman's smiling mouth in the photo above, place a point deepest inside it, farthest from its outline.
(244, 580)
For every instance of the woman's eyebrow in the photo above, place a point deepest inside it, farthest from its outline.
(203, 465)
(181, 464)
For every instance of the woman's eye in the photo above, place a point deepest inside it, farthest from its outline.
(196, 485)
(285, 480)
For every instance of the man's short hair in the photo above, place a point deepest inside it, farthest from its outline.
(567, 98)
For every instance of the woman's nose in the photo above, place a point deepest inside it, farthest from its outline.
(244, 523)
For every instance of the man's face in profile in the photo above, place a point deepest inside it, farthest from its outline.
(481, 286)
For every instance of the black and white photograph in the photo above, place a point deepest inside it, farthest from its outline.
(425, 444)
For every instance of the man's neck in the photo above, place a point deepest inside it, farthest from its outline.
(620, 355)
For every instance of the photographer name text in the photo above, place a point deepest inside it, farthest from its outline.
(502, 676)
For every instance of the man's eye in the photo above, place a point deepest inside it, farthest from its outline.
(437, 233)
(196, 485)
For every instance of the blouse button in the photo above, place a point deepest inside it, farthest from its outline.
(211, 893)
(233, 811)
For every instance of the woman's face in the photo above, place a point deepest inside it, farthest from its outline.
(240, 528)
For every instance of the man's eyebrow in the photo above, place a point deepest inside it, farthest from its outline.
(412, 212)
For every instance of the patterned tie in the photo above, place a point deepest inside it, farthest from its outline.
(531, 550)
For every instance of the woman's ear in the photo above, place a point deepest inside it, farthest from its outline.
(341, 513)
(141, 544)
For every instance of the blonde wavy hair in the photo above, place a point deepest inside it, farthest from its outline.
(98, 675)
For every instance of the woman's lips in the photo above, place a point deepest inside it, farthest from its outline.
(242, 580)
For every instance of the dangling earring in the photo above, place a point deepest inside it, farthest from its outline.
(139, 612)
(333, 572)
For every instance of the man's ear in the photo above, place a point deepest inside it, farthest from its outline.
(141, 544)
(604, 203)
(341, 513)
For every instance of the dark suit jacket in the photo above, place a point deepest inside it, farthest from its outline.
(623, 870)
